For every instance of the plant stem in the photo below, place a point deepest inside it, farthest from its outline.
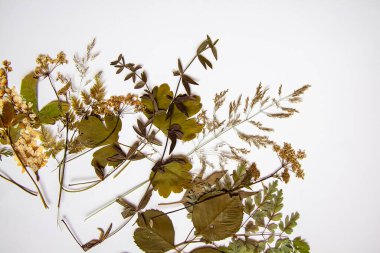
(72, 234)
(121, 170)
(92, 214)
(186, 242)
(88, 182)
(224, 130)
(63, 165)
(19, 185)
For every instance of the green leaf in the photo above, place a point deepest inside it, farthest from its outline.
(300, 245)
(189, 126)
(239, 246)
(29, 90)
(248, 205)
(172, 176)
(217, 218)
(205, 250)
(272, 227)
(155, 233)
(259, 217)
(100, 157)
(290, 223)
(93, 133)
(51, 112)
(4, 151)
(284, 245)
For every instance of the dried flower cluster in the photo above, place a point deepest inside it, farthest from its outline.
(46, 64)
(226, 195)
(290, 159)
(29, 151)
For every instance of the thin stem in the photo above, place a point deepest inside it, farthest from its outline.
(72, 234)
(19, 185)
(146, 84)
(224, 130)
(24, 167)
(186, 242)
(188, 235)
(175, 94)
(121, 170)
(92, 214)
(88, 182)
(55, 91)
(63, 166)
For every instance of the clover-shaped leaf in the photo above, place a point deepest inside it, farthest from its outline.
(181, 111)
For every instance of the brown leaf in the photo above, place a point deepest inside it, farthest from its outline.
(145, 200)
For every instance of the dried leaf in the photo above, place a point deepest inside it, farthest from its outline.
(189, 126)
(217, 218)
(102, 155)
(172, 176)
(205, 250)
(7, 115)
(92, 132)
(51, 112)
(155, 233)
(29, 90)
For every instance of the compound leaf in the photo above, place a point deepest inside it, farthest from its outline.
(189, 126)
(300, 245)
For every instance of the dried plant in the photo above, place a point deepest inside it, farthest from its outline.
(226, 194)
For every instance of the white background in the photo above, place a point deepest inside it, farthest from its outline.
(332, 45)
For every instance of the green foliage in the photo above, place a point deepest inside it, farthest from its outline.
(300, 245)
(240, 246)
(155, 233)
(289, 223)
(29, 90)
(157, 107)
(4, 151)
(237, 204)
(51, 112)
(93, 132)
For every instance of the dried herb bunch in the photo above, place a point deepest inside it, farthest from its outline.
(234, 205)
